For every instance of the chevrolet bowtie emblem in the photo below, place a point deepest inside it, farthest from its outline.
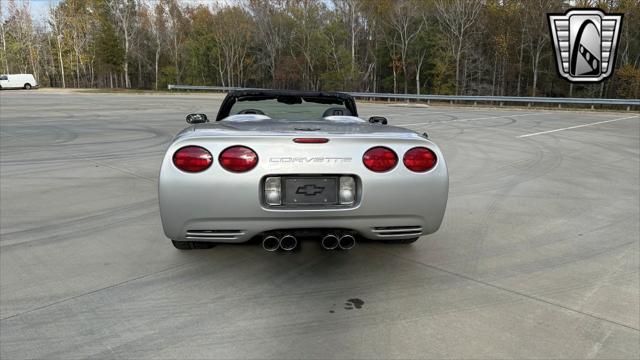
(585, 42)
(309, 190)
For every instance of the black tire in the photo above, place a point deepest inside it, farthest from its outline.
(402, 241)
(189, 245)
(27, 86)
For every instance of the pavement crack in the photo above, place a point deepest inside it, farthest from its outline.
(94, 291)
(511, 291)
(116, 168)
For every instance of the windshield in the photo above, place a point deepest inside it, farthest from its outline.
(287, 104)
(279, 109)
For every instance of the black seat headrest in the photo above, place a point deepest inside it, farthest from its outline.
(336, 111)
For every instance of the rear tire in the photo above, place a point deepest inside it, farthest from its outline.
(189, 245)
(27, 86)
(402, 241)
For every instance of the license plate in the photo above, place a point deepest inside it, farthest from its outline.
(310, 190)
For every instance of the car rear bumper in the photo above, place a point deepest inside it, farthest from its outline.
(219, 206)
(384, 213)
(240, 230)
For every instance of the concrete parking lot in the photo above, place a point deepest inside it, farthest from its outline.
(538, 255)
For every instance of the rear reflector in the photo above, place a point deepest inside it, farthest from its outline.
(311, 140)
(380, 159)
(192, 159)
(419, 159)
(238, 159)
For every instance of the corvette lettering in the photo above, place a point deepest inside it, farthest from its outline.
(309, 160)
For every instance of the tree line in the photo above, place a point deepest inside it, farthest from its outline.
(489, 47)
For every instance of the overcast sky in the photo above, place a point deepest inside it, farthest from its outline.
(39, 8)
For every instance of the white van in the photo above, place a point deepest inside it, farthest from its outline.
(18, 81)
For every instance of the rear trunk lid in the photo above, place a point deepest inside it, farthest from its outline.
(287, 128)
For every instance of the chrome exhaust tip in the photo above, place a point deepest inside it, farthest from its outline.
(271, 243)
(330, 242)
(288, 242)
(347, 242)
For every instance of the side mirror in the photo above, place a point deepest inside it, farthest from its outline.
(378, 120)
(197, 118)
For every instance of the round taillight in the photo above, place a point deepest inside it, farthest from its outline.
(192, 159)
(380, 159)
(238, 159)
(419, 159)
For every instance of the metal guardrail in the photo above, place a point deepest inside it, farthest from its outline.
(454, 98)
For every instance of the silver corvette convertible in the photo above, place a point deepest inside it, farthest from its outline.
(280, 166)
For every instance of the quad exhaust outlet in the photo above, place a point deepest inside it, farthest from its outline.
(271, 243)
(330, 242)
(337, 241)
(274, 242)
(347, 242)
(288, 242)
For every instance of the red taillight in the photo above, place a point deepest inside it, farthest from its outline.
(380, 159)
(238, 159)
(311, 140)
(419, 159)
(192, 159)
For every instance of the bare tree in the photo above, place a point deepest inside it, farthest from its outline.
(21, 29)
(406, 24)
(175, 33)
(456, 18)
(308, 40)
(422, 45)
(520, 57)
(422, 53)
(157, 27)
(536, 32)
(271, 30)
(391, 43)
(4, 40)
(233, 44)
(56, 22)
(124, 12)
(350, 10)
(79, 27)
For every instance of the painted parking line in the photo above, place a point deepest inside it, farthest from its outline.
(471, 119)
(577, 126)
